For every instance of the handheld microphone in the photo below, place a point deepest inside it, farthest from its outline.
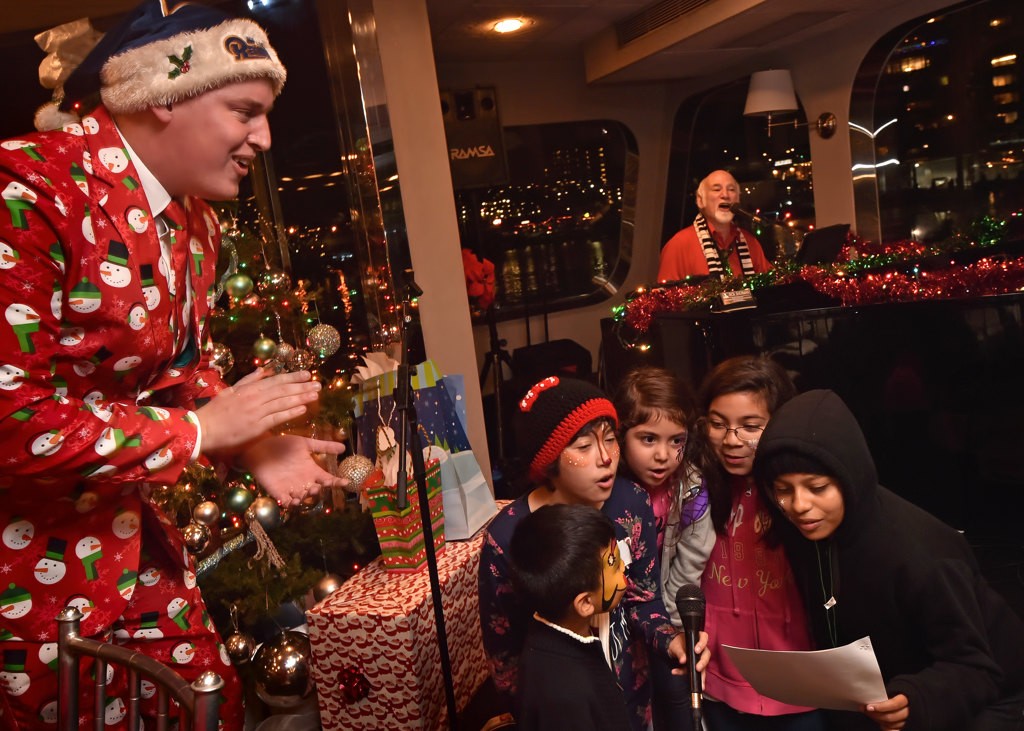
(690, 605)
(735, 208)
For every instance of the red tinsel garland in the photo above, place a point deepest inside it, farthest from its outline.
(988, 276)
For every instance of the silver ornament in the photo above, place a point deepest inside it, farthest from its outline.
(355, 468)
(221, 358)
(323, 340)
(329, 584)
(266, 511)
(206, 512)
(240, 647)
(274, 281)
(281, 668)
(196, 537)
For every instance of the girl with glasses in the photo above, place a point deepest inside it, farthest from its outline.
(752, 600)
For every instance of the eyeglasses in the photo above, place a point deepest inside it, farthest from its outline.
(745, 433)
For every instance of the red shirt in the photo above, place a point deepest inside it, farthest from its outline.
(683, 255)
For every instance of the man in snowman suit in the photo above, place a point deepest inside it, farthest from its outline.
(103, 214)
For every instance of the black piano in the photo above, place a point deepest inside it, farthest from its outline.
(937, 386)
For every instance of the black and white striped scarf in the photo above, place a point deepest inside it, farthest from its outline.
(718, 261)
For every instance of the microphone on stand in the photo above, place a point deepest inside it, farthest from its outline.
(735, 208)
(690, 605)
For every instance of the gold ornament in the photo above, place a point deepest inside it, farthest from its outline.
(196, 537)
(237, 497)
(323, 340)
(264, 348)
(239, 286)
(355, 468)
(265, 511)
(206, 512)
(284, 351)
(301, 360)
(221, 358)
(329, 584)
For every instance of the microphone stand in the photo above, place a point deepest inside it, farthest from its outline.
(409, 426)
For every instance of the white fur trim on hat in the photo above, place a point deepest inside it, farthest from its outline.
(48, 117)
(166, 71)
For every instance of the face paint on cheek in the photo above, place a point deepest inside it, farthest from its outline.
(574, 460)
(613, 580)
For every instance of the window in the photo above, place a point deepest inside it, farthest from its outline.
(774, 172)
(957, 135)
(559, 230)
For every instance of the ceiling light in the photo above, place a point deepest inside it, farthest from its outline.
(508, 25)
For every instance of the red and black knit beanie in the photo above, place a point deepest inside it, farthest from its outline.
(550, 415)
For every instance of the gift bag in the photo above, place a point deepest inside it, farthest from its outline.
(468, 502)
(400, 532)
(438, 400)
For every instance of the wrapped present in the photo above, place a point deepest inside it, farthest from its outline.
(400, 532)
(376, 659)
(439, 402)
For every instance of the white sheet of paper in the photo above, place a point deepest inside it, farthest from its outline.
(844, 678)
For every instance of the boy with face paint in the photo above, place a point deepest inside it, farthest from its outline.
(567, 567)
(566, 433)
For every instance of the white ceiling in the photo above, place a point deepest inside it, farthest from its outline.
(708, 38)
(715, 36)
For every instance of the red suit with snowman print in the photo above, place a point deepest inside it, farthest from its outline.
(100, 369)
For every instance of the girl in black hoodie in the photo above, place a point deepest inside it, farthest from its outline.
(868, 562)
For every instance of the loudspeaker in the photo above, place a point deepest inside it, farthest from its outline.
(476, 149)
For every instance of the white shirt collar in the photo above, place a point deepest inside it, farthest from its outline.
(156, 195)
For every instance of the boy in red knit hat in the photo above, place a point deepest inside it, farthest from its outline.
(566, 433)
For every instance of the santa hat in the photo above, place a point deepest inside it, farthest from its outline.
(552, 413)
(165, 51)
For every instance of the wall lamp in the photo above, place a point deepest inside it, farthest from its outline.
(771, 92)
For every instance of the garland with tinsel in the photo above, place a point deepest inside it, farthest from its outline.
(865, 273)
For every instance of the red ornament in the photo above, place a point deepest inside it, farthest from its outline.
(353, 685)
(479, 279)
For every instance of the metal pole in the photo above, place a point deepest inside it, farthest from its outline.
(408, 426)
(207, 689)
(67, 670)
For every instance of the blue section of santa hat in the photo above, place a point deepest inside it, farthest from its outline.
(165, 51)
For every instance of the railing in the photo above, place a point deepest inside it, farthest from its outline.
(199, 700)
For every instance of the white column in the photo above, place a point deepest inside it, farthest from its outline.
(414, 109)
